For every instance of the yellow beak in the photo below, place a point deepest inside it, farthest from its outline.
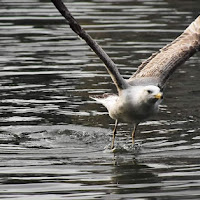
(159, 95)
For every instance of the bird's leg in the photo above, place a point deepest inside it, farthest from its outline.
(133, 133)
(114, 133)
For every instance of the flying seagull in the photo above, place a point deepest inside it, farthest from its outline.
(139, 97)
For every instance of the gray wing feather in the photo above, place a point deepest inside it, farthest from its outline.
(75, 26)
(163, 63)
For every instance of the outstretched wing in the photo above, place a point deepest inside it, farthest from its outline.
(163, 63)
(75, 26)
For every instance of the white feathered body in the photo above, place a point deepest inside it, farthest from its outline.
(133, 105)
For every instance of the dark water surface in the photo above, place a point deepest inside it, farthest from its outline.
(54, 140)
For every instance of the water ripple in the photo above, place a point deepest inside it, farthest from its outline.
(55, 141)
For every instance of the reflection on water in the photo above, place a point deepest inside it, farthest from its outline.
(54, 140)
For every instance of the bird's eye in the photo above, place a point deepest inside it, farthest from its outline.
(149, 91)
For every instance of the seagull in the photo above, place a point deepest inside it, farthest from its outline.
(139, 97)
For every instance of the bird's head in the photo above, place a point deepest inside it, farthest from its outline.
(152, 94)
